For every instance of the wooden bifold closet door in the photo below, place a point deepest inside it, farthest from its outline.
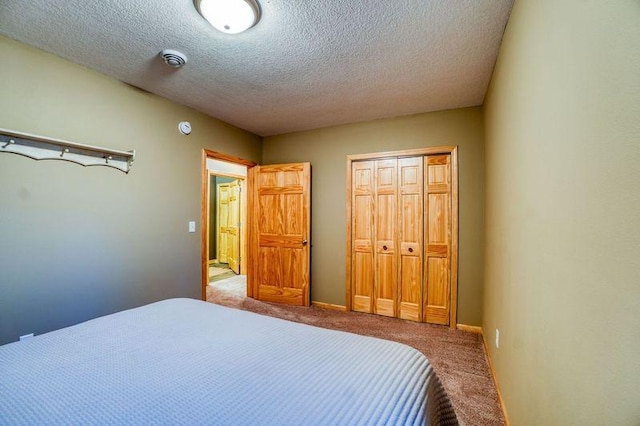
(410, 222)
(401, 237)
(438, 238)
(386, 237)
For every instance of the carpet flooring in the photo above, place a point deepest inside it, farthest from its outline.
(458, 357)
(219, 271)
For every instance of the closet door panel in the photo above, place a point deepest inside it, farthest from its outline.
(410, 306)
(386, 202)
(363, 282)
(437, 238)
(385, 296)
(437, 302)
(362, 264)
(439, 218)
(410, 220)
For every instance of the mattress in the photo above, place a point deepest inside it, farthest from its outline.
(183, 361)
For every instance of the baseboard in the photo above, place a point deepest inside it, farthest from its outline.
(331, 306)
(470, 328)
(495, 378)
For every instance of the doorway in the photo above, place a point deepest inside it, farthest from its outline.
(224, 215)
(274, 228)
(224, 226)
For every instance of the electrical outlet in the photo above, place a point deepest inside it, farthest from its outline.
(497, 338)
(26, 336)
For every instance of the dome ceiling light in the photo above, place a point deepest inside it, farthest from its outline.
(229, 16)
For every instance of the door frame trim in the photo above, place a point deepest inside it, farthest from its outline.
(204, 211)
(451, 150)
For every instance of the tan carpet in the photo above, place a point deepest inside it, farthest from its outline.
(233, 286)
(219, 271)
(458, 357)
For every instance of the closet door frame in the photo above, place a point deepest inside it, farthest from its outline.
(451, 150)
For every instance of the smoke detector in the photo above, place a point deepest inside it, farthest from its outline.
(173, 58)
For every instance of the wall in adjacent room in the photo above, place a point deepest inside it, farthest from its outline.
(81, 242)
(562, 280)
(327, 150)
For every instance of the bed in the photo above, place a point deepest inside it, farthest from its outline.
(184, 361)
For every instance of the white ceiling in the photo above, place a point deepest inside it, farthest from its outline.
(306, 64)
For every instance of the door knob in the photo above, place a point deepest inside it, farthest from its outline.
(410, 250)
(304, 242)
(384, 247)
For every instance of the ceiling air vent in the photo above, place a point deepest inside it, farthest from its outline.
(173, 58)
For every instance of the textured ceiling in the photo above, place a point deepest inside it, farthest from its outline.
(306, 64)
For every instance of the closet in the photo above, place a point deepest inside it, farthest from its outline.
(402, 242)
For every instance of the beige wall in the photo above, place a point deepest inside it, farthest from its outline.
(562, 213)
(327, 149)
(80, 242)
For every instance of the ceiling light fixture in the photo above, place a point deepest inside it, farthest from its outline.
(229, 16)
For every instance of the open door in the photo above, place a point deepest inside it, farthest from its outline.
(280, 232)
(233, 227)
(223, 222)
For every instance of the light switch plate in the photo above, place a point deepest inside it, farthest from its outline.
(192, 226)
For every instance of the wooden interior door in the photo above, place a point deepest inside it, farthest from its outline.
(362, 256)
(223, 222)
(438, 238)
(386, 246)
(281, 229)
(410, 220)
(233, 227)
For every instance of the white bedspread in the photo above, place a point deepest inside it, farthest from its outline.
(184, 361)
